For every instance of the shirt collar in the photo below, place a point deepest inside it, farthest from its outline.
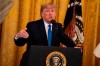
(46, 24)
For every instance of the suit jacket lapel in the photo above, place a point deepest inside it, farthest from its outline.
(43, 32)
(54, 32)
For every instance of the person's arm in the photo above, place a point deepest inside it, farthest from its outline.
(20, 41)
(21, 38)
(65, 39)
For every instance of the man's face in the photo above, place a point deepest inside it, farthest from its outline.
(48, 14)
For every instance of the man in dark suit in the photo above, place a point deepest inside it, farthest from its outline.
(37, 32)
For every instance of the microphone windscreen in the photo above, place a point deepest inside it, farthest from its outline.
(52, 21)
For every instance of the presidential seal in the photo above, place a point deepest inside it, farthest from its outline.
(56, 58)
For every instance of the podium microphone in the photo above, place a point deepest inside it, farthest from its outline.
(52, 21)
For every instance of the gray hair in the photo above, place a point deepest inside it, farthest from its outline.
(48, 6)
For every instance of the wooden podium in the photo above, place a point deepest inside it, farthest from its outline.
(47, 56)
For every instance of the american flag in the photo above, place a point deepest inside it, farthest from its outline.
(73, 25)
(5, 6)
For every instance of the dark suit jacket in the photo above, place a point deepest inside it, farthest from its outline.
(37, 35)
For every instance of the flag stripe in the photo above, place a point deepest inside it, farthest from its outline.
(73, 25)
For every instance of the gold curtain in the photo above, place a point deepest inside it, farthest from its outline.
(24, 11)
(91, 19)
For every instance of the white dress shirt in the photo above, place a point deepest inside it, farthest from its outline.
(46, 27)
